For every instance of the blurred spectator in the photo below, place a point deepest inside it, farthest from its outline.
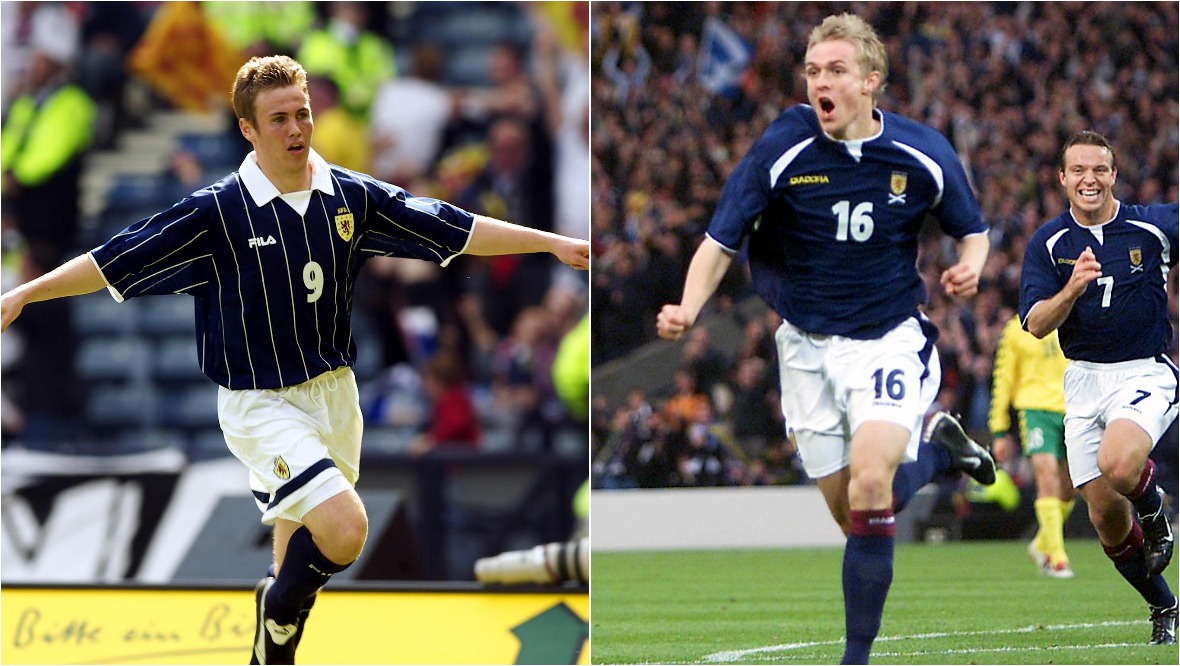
(571, 381)
(511, 91)
(262, 28)
(571, 370)
(503, 189)
(627, 67)
(21, 25)
(622, 309)
(706, 363)
(481, 338)
(522, 376)
(356, 60)
(47, 393)
(46, 134)
(339, 137)
(705, 462)
(396, 398)
(507, 189)
(409, 114)
(514, 99)
(564, 83)
(686, 402)
(752, 416)
(452, 422)
(109, 30)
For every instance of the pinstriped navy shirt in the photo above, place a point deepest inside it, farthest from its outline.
(273, 274)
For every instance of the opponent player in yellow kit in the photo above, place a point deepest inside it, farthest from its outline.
(1028, 377)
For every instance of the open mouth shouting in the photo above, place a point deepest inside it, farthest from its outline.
(826, 108)
(297, 148)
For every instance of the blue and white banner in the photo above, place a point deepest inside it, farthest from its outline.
(723, 57)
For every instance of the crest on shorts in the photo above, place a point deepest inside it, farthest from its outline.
(344, 224)
(281, 470)
(897, 183)
(1136, 259)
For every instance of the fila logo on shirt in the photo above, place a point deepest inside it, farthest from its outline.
(897, 183)
(260, 241)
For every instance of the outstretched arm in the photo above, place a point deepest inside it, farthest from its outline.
(493, 237)
(1045, 316)
(77, 276)
(704, 274)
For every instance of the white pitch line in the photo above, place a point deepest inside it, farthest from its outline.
(738, 655)
(1009, 648)
(926, 653)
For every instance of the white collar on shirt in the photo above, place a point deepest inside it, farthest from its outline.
(263, 191)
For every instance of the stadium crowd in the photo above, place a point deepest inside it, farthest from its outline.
(504, 134)
(681, 90)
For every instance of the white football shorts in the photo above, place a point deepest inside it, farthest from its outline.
(1143, 390)
(832, 384)
(301, 443)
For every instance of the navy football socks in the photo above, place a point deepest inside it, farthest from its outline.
(868, 572)
(910, 477)
(305, 570)
(1128, 559)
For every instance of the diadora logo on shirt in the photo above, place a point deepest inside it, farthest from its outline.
(259, 241)
(809, 179)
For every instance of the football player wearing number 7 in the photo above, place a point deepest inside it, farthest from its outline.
(270, 254)
(1096, 274)
(831, 199)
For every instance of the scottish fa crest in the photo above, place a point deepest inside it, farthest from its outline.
(281, 470)
(1136, 259)
(344, 224)
(897, 183)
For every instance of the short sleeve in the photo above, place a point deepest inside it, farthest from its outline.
(1168, 217)
(166, 253)
(399, 224)
(743, 199)
(958, 211)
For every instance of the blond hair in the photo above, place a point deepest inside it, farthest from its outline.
(264, 73)
(854, 29)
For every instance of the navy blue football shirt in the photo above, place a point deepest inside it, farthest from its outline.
(833, 225)
(1122, 315)
(273, 274)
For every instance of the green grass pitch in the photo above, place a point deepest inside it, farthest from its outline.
(955, 603)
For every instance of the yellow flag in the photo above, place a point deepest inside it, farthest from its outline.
(185, 59)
